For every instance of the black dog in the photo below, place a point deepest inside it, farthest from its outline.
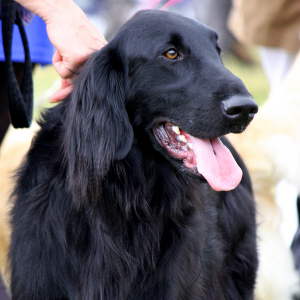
(115, 198)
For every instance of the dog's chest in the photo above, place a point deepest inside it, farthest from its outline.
(175, 261)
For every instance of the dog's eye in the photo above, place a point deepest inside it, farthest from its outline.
(171, 54)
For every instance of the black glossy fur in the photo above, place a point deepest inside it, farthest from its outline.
(101, 211)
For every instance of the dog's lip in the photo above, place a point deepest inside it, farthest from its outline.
(187, 154)
(176, 142)
(170, 135)
(169, 124)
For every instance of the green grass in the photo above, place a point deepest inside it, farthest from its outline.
(252, 76)
(43, 79)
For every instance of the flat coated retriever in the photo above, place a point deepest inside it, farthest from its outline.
(127, 191)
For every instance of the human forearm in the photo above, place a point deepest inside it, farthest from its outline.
(46, 9)
(64, 18)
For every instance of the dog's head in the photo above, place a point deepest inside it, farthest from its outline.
(161, 79)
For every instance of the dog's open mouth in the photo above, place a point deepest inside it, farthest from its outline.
(207, 157)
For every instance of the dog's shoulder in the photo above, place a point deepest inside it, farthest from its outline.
(43, 157)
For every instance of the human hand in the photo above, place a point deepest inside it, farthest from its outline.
(71, 33)
(65, 90)
(74, 38)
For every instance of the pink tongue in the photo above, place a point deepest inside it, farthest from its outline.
(219, 168)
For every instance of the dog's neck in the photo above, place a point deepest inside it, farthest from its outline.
(124, 191)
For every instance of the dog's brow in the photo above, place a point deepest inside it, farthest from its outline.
(177, 40)
(214, 35)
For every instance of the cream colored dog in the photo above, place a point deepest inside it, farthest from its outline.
(270, 148)
(13, 149)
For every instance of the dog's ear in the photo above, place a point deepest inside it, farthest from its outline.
(97, 130)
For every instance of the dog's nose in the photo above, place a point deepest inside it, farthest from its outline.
(239, 109)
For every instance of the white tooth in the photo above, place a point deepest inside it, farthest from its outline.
(181, 138)
(176, 129)
(190, 145)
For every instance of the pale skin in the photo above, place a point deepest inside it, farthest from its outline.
(71, 33)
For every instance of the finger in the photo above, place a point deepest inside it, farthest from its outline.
(56, 57)
(65, 83)
(59, 66)
(61, 94)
